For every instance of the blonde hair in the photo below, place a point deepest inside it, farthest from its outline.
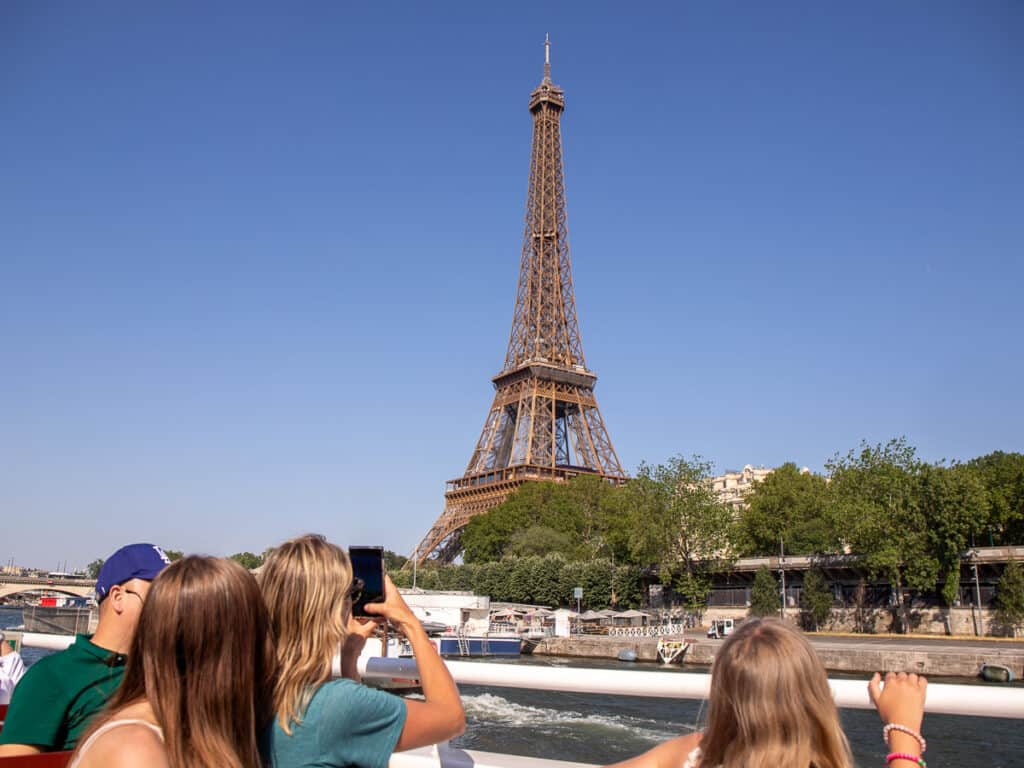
(305, 583)
(770, 703)
(202, 657)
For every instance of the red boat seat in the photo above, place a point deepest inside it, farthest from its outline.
(42, 760)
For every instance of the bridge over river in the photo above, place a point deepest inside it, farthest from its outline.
(12, 585)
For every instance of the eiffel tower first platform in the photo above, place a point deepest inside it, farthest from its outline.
(544, 423)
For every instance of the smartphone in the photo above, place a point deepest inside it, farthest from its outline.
(367, 577)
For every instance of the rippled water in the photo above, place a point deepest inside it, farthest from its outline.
(11, 617)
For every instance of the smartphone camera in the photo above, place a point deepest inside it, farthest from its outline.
(367, 577)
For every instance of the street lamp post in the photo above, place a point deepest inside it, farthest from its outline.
(977, 592)
(782, 571)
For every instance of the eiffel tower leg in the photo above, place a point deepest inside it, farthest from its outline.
(444, 539)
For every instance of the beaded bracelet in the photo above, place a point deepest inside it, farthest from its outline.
(905, 756)
(904, 729)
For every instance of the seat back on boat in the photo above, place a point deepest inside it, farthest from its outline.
(42, 760)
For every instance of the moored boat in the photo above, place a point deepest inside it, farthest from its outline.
(996, 673)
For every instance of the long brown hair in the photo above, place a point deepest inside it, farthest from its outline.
(202, 657)
(306, 583)
(770, 703)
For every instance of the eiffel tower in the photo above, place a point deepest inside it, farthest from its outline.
(544, 423)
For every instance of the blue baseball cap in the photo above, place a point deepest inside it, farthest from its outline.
(135, 561)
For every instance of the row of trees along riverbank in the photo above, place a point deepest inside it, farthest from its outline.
(907, 520)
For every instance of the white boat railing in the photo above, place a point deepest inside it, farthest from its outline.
(444, 756)
(945, 698)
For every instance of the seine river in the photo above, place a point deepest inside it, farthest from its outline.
(599, 729)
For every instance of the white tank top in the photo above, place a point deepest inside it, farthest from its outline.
(693, 759)
(108, 727)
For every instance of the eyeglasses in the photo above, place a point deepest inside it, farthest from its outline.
(142, 600)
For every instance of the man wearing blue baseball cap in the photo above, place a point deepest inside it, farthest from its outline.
(59, 694)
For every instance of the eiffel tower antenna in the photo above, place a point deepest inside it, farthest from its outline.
(547, 59)
(544, 423)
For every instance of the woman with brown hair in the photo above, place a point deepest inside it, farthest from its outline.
(197, 687)
(306, 583)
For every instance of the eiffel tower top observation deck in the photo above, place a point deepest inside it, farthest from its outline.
(544, 423)
(544, 324)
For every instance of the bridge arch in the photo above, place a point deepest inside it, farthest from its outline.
(13, 589)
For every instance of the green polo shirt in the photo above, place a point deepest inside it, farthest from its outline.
(59, 694)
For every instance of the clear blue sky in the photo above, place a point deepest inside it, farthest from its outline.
(259, 262)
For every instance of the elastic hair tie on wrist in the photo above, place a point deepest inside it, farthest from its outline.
(905, 756)
(903, 729)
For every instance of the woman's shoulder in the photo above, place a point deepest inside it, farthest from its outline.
(674, 753)
(689, 747)
(339, 695)
(124, 744)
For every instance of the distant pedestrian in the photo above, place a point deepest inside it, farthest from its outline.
(61, 693)
(11, 669)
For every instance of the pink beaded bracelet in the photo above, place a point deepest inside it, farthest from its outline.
(904, 729)
(905, 756)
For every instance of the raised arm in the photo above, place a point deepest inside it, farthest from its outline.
(441, 716)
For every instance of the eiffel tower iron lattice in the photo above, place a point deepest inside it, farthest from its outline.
(544, 423)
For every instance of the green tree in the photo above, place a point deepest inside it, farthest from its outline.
(598, 522)
(583, 514)
(1010, 597)
(93, 568)
(553, 588)
(402, 578)
(174, 554)
(539, 540)
(248, 560)
(392, 561)
(764, 595)
(874, 496)
(790, 505)
(488, 537)
(953, 504)
(625, 587)
(678, 525)
(693, 587)
(1002, 474)
(815, 599)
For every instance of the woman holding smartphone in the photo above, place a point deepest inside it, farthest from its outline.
(319, 721)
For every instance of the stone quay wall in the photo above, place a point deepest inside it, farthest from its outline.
(953, 659)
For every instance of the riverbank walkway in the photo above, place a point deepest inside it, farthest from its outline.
(941, 656)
